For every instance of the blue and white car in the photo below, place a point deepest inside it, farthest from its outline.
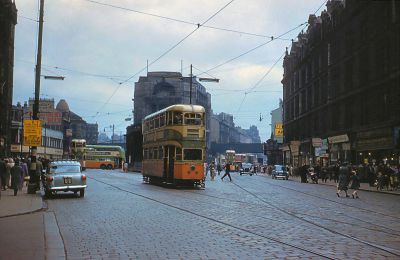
(64, 176)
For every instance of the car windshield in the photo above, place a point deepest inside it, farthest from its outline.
(280, 168)
(66, 169)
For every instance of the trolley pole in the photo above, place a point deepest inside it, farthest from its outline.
(191, 83)
(33, 182)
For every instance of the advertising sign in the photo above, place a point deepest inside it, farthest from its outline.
(32, 133)
(278, 130)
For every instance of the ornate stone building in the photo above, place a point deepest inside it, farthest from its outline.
(8, 20)
(341, 86)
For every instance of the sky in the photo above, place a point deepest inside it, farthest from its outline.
(102, 47)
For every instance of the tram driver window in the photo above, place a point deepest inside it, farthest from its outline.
(192, 154)
(177, 118)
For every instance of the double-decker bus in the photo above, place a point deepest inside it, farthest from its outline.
(174, 145)
(97, 156)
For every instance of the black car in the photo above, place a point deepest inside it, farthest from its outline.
(246, 168)
(280, 171)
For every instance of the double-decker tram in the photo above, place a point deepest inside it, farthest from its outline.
(174, 145)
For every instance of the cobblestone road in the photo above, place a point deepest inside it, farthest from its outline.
(253, 217)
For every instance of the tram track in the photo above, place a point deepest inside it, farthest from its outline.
(378, 229)
(334, 201)
(217, 220)
(376, 246)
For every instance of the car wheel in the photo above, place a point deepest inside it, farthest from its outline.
(82, 193)
(251, 174)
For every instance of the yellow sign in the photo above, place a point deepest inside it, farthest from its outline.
(32, 133)
(278, 130)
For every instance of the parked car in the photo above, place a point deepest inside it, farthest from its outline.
(64, 176)
(280, 171)
(246, 168)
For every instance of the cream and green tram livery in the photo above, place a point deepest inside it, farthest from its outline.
(174, 145)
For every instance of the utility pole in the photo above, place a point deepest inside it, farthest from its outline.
(33, 182)
(112, 137)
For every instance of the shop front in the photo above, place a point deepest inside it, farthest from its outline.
(378, 146)
(339, 149)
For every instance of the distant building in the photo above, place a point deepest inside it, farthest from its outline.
(92, 133)
(8, 20)
(341, 86)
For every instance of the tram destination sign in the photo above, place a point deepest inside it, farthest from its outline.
(32, 132)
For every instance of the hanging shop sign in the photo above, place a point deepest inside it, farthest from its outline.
(338, 139)
(278, 130)
(316, 142)
(295, 147)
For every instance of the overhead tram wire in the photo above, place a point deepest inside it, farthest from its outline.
(272, 38)
(165, 53)
(179, 20)
(253, 49)
(258, 82)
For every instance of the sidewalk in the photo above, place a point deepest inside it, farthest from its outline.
(363, 186)
(22, 227)
(23, 203)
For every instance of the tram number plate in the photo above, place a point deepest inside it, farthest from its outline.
(67, 180)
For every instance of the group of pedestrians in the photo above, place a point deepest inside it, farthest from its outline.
(215, 169)
(348, 174)
(12, 173)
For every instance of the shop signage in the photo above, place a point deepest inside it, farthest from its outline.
(317, 142)
(294, 147)
(338, 139)
(32, 132)
(278, 130)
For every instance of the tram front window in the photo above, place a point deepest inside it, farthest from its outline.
(192, 154)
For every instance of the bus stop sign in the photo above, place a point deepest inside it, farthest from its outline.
(32, 133)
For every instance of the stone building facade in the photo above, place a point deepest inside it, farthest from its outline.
(8, 20)
(341, 86)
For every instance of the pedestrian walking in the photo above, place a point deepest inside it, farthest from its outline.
(16, 176)
(227, 171)
(355, 183)
(219, 169)
(343, 182)
(212, 170)
(3, 172)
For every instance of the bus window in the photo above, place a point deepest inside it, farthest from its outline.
(192, 154)
(177, 118)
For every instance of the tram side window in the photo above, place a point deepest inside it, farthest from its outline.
(177, 118)
(162, 120)
(192, 154)
(178, 153)
(169, 114)
(151, 123)
(192, 119)
(160, 152)
(155, 153)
